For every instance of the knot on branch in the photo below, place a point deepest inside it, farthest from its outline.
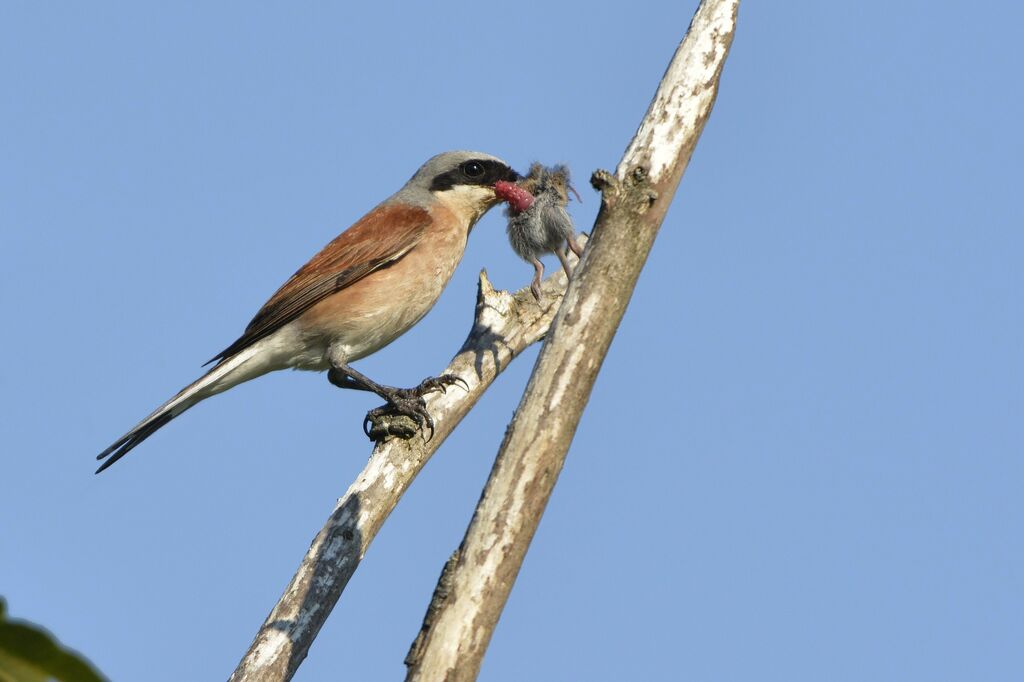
(604, 182)
(634, 194)
(383, 426)
(495, 309)
(640, 194)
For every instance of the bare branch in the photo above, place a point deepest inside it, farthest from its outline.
(477, 579)
(504, 325)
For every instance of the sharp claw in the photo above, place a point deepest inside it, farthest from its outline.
(441, 383)
(454, 380)
(410, 403)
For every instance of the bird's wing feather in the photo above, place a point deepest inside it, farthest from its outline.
(378, 239)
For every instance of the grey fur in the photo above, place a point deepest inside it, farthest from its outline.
(545, 227)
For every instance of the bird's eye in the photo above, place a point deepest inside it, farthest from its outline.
(473, 169)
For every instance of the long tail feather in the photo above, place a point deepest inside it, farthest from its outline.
(228, 373)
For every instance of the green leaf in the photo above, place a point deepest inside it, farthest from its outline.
(28, 653)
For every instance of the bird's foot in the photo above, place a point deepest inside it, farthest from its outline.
(406, 411)
(404, 414)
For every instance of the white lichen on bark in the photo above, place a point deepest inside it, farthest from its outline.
(505, 324)
(684, 97)
(478, 578)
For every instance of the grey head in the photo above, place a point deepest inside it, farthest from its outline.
(466, 173)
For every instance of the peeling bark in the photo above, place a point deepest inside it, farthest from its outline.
(504, 326)
(477, 579)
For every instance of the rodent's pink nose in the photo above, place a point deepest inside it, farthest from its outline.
(518, 198)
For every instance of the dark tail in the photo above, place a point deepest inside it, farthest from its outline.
(128, 441)
(229, 372)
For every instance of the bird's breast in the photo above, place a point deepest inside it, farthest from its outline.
(374, 311)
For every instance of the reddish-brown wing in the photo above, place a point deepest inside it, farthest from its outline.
(379, 238)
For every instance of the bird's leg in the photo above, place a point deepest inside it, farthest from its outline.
(538, 269)
(401, 401)
(342, 380)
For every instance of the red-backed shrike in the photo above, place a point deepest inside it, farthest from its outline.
(362, 291)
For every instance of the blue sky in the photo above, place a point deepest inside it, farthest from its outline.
(802, 458)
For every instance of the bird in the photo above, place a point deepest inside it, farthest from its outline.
(362, 291)
(537, 220)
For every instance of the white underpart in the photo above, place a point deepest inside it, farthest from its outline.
(282, 349)
(468, 202)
